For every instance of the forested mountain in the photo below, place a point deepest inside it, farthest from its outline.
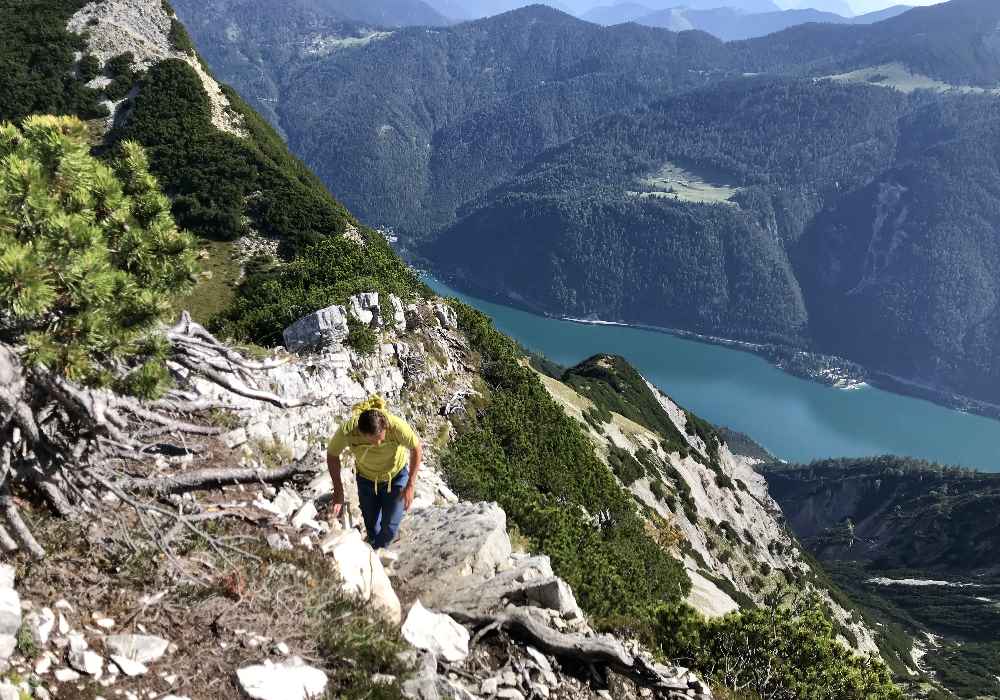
(259, 45)
(639, 174)
(449, 113)
(915, 544)
(957, 42)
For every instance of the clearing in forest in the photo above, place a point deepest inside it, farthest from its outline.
(899, 77)
(672, 181)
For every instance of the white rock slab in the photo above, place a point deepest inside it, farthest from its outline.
(362, 573)
(128, 666)
(86, 661)
(143, 648)
(437, 633)
(290, 680)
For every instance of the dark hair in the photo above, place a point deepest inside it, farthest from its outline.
(371, 422)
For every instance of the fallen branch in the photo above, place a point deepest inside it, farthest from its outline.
(213, 479)
(600, 650)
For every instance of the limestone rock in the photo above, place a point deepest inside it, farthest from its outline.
(285, 503)
(128, 666)
(65, 675)
(143, 648)
(446, 315)
(6, 576)
(365, 308)
(463, 544)
(10, 621)
(398, 313)
(437, 633)
(321, 328)
(304, 515)
(86, 661)
(362, 573)
(289, 680)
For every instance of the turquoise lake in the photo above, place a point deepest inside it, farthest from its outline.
(796, 419)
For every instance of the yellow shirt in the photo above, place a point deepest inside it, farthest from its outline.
(376, 462)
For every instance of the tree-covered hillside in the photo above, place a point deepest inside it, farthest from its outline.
(849, 219)
(915, 545)
(407, 128)
(259, 46)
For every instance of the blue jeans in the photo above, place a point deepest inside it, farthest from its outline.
(383, 510)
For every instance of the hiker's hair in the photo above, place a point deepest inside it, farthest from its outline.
(371, 422)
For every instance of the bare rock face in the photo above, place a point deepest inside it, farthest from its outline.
(365, 308)
(317, 329)
(437, 633)
(10, 613)
(464, 544)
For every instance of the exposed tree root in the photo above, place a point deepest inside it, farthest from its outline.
(68, 444)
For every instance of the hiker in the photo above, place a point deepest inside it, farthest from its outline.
(387, 457)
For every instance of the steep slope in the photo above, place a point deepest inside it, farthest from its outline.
(710, 504)
(915, 545)
(225, 426)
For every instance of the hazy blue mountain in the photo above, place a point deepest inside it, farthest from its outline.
(616, 14)
(731, 25)
(837, 7)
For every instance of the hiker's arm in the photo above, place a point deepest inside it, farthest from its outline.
(333, 464)
(416, 458)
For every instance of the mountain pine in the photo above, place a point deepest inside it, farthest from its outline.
(89, 257)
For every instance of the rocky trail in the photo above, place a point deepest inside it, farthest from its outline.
(213, 588)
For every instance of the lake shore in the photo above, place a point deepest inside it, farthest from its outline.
(828, 370)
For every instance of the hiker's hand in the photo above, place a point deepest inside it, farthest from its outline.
(337, 505)
(408, 496)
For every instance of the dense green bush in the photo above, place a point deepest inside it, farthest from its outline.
(36, 61)
(624, 465)
(89, 256)
(360, 336)
(774, 653)
(614, 385)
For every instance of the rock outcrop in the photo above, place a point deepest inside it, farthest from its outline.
(143, 28)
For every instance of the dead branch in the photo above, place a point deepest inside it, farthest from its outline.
(214, 479)
(602, 650)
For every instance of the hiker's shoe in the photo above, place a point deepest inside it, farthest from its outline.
(387, 557)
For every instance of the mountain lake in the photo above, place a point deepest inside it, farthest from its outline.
(795, 419)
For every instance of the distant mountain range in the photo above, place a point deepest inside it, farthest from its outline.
(632, 173)
(727, 23)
